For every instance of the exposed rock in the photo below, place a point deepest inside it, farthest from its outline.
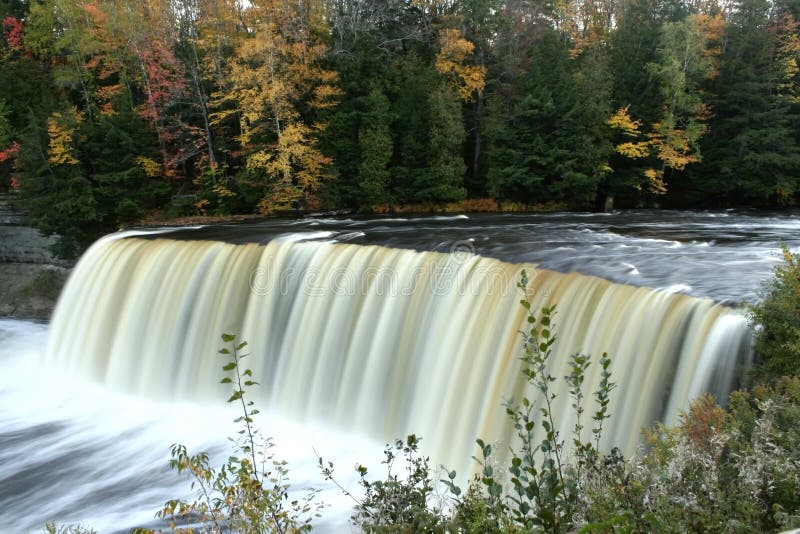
(30, 290)
(30, 277)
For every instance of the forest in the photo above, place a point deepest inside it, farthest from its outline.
(114, 110)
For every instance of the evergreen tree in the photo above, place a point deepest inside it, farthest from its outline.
(444, 180)
(375, 144)
(416, 80)
(481, 24)
(534, 154)
(582, 135)
(81, 180)
(752, 152)
(634, 45)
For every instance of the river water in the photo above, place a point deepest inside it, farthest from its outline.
(72, 451)
(723, 255)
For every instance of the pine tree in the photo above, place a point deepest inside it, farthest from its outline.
(752, 153)
(444, 182)
(375, 144)
(415, 81)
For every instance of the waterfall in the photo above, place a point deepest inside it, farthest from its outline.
(380, 341)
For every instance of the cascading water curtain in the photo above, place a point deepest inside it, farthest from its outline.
(382, 341)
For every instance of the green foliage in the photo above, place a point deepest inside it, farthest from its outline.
(5, 125)
(716, 471)
(444, 181)
(532, 140)
(402, 502)
(777, 318)
(415, 82)
(545, 479)
(752, 150)
(349, 109)
(104, 190)
(375, 143)
(250, 492)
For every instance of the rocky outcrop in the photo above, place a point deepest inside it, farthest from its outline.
(30, 290)
(31, 278)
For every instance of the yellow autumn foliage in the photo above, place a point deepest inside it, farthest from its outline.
(673, 147)
(453, 62)
(222, 191)
(150, 166)
(622, 121)
(60, 131)
(293, 167)
(655, 182)
(637, 150)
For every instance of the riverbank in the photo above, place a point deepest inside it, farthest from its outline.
(31, 278)
(30, 290)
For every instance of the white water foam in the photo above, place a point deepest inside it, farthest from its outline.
(75, 452)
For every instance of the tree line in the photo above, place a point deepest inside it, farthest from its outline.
(113, 109)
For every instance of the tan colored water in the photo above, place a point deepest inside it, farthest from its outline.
(381, 341)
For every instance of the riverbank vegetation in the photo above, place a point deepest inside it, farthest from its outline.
(115, 111)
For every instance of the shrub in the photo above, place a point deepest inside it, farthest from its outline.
(716, 471)
(777, 317)
(398, 503)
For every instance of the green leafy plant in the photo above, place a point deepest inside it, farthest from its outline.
(544, 478)
(403, 501)
(716, 471)
(250, 492)
(777, 341)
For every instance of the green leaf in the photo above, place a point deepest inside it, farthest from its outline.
(229, 367)
(228, 337)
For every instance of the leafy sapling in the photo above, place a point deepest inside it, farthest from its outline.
(250, 492)
(544, 479)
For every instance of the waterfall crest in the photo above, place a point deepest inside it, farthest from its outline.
(382, 341)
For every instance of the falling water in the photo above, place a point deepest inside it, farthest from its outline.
(378, 341)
